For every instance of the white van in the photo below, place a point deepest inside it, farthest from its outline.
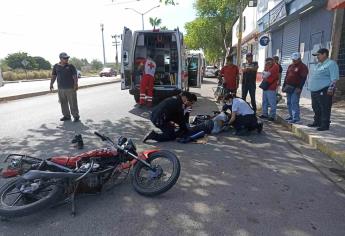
(168, 53)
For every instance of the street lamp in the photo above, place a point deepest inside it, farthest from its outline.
(142, 14)
(102, 29)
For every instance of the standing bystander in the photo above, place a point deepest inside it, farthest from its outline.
(249, 71)
(67, 81)
(322, 86)
(231, 76)
(276, 60)
(294, 81)
(269, 96)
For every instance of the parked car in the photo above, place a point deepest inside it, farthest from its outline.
(79, 73)
(211, 71)
(107, 72)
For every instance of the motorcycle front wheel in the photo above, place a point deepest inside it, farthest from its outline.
(163, 176)
(21, 197)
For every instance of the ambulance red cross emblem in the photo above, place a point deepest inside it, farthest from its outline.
(151, 65)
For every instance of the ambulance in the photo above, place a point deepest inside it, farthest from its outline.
(166, 48)
(195, 64)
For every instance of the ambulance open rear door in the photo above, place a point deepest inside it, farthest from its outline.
(126, 62)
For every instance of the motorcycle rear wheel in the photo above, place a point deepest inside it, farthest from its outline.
(26, 203)
(151, 183)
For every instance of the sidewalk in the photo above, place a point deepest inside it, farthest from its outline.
(25, 89)
(331, 142)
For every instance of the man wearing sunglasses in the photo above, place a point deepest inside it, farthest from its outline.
(67, 81)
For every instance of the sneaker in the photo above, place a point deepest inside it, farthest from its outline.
(149, 136)
(259, 128)
(288, 119)
(64, 118)
(76, 119)
(313, 125)
(263, 117)
(271, 119)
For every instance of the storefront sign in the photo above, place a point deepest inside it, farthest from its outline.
(264, 41)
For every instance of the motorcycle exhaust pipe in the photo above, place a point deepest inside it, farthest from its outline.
(37, 174)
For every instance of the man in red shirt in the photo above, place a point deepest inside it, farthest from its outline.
(295, 78)
(269, 96)
(231, 76)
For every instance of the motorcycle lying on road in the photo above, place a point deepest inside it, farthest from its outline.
(44, 183)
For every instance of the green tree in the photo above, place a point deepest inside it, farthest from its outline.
(96, 64)
(211, 31)
(76, 62)
(15, 61)
(42, 64)
(164, 28)
(155, 22)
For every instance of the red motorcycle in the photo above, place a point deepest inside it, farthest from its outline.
(43, 183)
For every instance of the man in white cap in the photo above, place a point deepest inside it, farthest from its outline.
(295, 78)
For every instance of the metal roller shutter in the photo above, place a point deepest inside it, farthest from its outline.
(290, 45)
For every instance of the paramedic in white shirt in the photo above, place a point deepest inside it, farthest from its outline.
(243, 117)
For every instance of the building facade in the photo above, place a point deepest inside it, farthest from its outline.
(249, 34)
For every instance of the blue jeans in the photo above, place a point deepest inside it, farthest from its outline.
(293, 105)
(269, 97)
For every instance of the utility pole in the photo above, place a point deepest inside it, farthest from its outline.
(102, 29)
(116, 43)
(240, 26)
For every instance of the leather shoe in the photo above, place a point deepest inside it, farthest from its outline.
(65, 118)
(76, 119)
(322, 128)
(313, 125)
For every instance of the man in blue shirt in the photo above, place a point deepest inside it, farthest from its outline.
(322, 86)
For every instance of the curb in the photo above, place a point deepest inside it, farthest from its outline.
(315, 141)
(338, 156)
(28, 95)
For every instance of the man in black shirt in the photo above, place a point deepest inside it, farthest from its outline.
(168, 113)
(249, 71)
(67, 81)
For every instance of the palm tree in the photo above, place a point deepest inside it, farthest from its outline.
(155, 22)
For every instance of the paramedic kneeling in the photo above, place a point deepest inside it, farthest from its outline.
(169, 113)
(242, 116)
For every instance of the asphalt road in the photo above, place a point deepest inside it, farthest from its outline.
(248, 186)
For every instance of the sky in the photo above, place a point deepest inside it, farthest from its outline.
(47, 27)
